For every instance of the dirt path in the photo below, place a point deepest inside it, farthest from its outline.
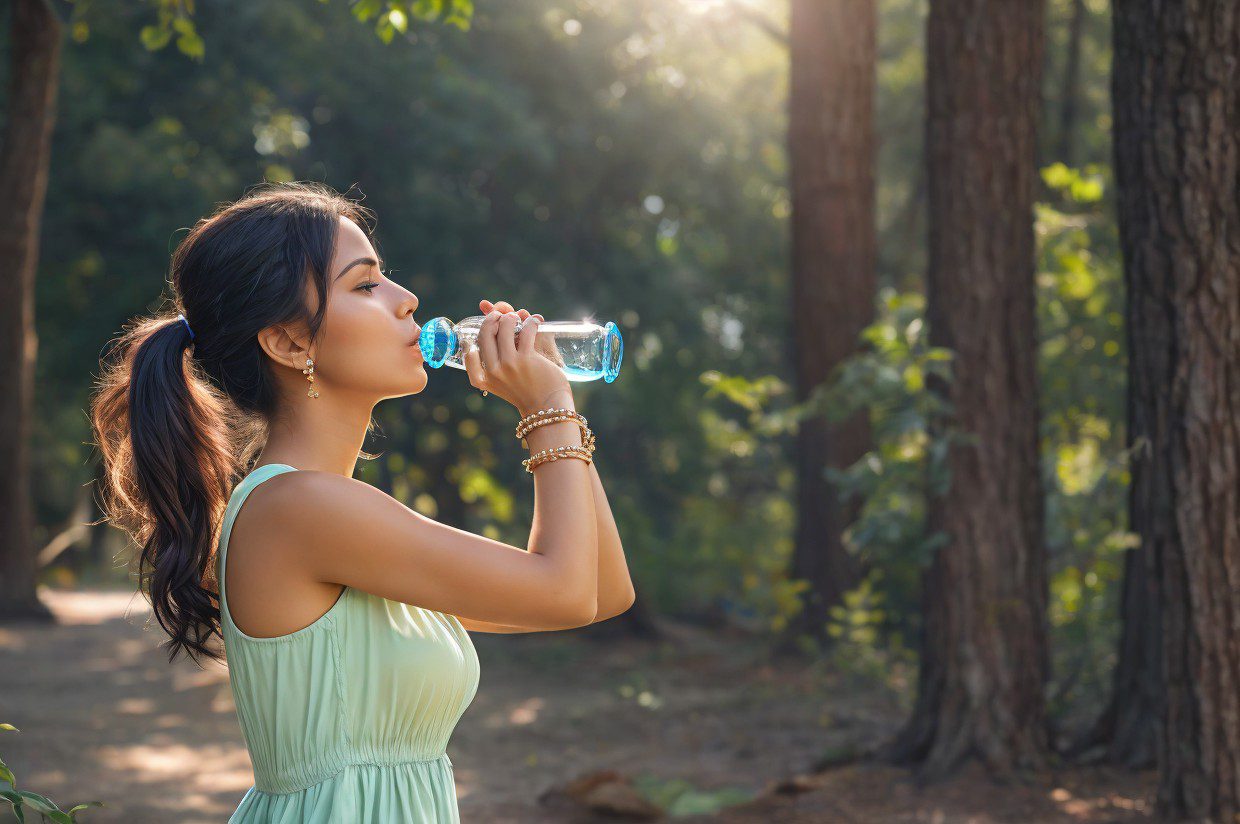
(104, 716)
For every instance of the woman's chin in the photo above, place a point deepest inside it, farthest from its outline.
(418, 382)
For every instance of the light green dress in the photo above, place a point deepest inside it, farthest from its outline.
(347, 719)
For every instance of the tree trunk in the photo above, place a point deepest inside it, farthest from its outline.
(984, 650)
(1071, 85)
(24, 158)
(831, 150)
(1176, 100)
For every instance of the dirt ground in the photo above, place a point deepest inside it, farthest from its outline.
(104, 716)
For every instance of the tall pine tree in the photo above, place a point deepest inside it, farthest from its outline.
(984, 649)
(1176, 94)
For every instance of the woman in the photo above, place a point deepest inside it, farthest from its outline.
(343, 613)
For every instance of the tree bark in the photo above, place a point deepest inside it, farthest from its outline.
(24, 159)
(984, 648)
(831, 150)
(1176, 97)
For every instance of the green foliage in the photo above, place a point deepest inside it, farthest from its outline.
(1083, 365)
(174, 18)
(619, 160)
(888, 380)
(547, 158)
(22, 800)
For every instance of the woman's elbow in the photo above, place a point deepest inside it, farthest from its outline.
(618, 608)
(585, 614)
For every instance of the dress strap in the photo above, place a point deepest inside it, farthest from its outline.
(239, 494)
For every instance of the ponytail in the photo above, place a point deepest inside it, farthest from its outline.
(166, 439)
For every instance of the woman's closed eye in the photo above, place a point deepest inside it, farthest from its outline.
(369, 287)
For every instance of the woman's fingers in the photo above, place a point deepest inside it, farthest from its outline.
(487, 306)
(486, 341)
(507, 337)
(504, 306)
(507, 331)
(525, 339)
(473, 368)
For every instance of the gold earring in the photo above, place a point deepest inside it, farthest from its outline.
(309, 373)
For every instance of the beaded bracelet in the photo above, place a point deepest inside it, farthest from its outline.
(587, 435)
(554, 454)
(548, 416)
(561, 414)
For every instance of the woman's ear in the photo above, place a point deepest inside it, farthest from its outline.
(283, 347)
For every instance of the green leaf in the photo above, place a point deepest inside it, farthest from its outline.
(39, 802)
(6, 774)
(427, 9)
(365, 9)
(1086, 190)
(9, 727)
(1057, 176)
(191, 45)
(74, 809)
(154, 38)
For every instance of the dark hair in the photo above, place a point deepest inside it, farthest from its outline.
(178, 421)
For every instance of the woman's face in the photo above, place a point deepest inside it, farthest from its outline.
(367, 345)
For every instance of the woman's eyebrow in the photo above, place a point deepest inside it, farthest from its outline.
(369, 261)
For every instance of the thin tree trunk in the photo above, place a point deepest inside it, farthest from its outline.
(1071, 85)
(24, 158)
(984, 650)
(831, 147)
(1176, 98)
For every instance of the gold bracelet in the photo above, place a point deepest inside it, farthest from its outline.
(567, 452)
(587, 435)
(570, 451)
(562, 413)
(548, 416)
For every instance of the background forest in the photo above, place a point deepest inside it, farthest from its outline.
(626, 161)
(623, 161)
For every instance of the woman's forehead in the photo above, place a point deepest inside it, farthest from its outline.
(352, 241)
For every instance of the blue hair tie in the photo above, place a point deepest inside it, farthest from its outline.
(187, 329)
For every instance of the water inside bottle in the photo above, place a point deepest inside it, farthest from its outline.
(587, 350)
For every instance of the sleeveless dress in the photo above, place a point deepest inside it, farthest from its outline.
(348, 719)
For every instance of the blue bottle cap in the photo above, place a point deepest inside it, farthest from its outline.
(437, 341)
(613, 351)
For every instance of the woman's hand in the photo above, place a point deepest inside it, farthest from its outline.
(532, 384)
(545, 344)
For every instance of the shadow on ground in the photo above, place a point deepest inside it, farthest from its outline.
(104, 716)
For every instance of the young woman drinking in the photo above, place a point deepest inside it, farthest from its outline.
(229, 430)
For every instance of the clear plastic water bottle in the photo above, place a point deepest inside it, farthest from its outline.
(586, 350)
